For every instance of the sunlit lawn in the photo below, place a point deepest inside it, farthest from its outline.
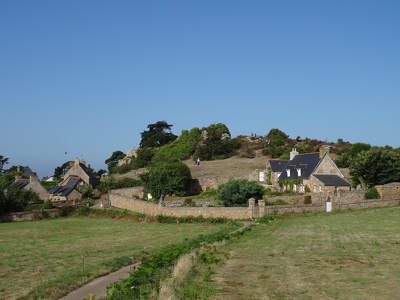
(350, 255)
(72, 251)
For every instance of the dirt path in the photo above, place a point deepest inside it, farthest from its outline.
(98, 287)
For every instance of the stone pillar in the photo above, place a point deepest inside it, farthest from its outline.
(252, 204)
(261, 208)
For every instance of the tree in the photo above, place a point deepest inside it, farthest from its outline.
(277, 137)
(60, 171)
(3, 161)
(236, 192)
(7, 179)
(158, 135)
(18, 199)
(167, 178)
(112, 161)
(217, 143)
(376, 166)
(358, 147)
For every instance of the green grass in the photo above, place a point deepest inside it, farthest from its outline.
(350, 255)
(57, 247)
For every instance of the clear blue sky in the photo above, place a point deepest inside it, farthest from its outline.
(87, 77)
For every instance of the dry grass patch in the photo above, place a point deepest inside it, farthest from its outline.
(351, 255)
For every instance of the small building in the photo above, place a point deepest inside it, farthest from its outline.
(32, 184)
(314, 172)
(78, 174)
(389, 190)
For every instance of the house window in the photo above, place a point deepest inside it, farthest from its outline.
(294, 187)
(320, 188)
(277, 176)
(261, 177)
(298, 172)
(315, 187)
(288, 172)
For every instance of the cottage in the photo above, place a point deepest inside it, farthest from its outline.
(32, 184)
(314, 172)
(67, 191)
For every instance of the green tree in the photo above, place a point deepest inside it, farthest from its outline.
(112, 161)
(7, 179)
(167, 178)
(3, 161)
(376, 166)
(217, 143)
(359, 147)
(236, 192)
(143, 158)
(3, 203)
(18, 199)
(277, 137)
(158, 135)
(60, 171)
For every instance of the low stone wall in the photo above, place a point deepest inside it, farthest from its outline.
(181, 202)
(371, 203)
(153, 209)
(256, 209)
(29, 216)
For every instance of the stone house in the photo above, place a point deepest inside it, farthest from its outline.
(316, 170)
(67, 191)
(274, 170)
(32, 184)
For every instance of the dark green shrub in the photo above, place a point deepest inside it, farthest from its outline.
(372, 194)
(266, 219)
(47, 204)
(237, 192)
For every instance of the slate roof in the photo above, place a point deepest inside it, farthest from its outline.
(61, 190)
(21, 183)
(331, 180)
(277, 165)
(73, 181)
(307, 162)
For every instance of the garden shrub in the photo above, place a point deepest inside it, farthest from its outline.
(372, 194)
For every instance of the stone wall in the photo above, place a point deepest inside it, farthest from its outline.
(390, 190)
(181, 202)
(29, 216)
(153, 209)
(340, 201)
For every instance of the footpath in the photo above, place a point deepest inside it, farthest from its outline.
(98, 287)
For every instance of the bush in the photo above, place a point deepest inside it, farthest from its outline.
(236, 192)
(167, 178)
(372, 194)
(47, 204)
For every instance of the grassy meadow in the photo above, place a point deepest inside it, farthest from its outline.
(73, 251)
(347, 255)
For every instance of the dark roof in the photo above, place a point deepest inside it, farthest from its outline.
(73, 181)
(277, 165)
(54, 189)
(307, 162)
(21, 183)
(87, 170)
(61, 190)
(331, 180)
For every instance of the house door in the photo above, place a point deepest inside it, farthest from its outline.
(261, 176)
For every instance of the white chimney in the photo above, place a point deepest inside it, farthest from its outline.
(293, 153)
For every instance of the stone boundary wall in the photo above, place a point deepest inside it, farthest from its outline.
(180, 202)
(256, 209)
(29, 216)
(371, 203)
(153, 209)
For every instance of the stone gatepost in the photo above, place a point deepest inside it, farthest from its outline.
(261, 208)
(252, 205)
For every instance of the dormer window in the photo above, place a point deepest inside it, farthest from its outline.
(288, 172)
(298, 172)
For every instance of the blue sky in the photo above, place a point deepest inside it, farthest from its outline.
(87, 77)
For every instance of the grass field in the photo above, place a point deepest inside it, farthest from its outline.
(72, 251)
(349, 255)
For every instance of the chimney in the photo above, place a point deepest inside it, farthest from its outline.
(293, 153)
(324, 149)
(33, 178)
